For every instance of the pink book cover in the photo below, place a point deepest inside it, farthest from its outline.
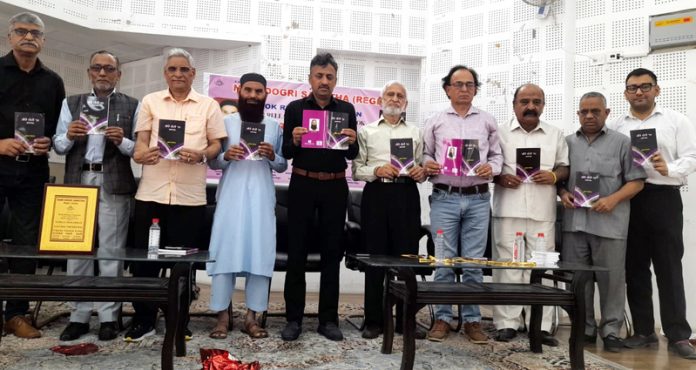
(452, 157)
(315, 123)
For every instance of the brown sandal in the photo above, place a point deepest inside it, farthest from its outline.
(254, 330)
(219, 332)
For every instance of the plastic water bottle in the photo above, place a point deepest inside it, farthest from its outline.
(439, 247)
(518, 247)
(153, 239)
(540, 243)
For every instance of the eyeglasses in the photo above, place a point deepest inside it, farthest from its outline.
(96, 68)
(632, 89)
(587, 112)
(395, 95)
(172, 69)
(460, 85)
(21, 32)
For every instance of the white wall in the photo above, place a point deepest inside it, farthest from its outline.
(501, 39)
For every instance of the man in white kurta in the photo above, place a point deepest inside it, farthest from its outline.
(529, 208)
(243, 237)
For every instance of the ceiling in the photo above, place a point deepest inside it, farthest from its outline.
(82, 41)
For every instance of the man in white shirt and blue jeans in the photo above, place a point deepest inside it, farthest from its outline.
(656, 222)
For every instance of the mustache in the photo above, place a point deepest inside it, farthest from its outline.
(530, 113)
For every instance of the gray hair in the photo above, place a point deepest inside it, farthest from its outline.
(179, 52)
(26, 17)
(594, 94)
(394, 82)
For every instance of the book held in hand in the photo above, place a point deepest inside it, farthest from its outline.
(170, 140)
(471, 158)
(324, 129)
(94, 112)
(29, 126)
(251, 136)
(451, 159)
(402, 154)
(586, 190)
(177, 251)
(643, 145)
(528, 163)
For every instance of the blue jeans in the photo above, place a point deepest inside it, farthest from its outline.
(463, 220)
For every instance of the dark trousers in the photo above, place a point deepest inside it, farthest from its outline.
(23, 193)
(655, 235)
(180, 225)
(390, 224)
(327, 199)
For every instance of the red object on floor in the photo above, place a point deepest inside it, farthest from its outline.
(219, 359)
(76, 349)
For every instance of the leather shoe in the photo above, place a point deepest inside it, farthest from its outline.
(291, 331)
(548, 340)
(684, 349)
(108, 331)
(371, 332)
(331, 331)
(640, 341)
(73, 331)
(613, 344)
(21, 327)
(505, 335)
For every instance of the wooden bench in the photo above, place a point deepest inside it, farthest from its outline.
(171, 292)
(402, 286)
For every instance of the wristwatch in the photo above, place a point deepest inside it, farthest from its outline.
(204, 160)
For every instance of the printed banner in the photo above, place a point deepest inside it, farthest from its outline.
(225, 89)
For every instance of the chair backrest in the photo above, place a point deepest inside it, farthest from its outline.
(281, 209)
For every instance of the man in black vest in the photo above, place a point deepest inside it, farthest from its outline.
(101, 159)
(26, 85)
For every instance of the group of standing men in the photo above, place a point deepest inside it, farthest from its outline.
(636, 221)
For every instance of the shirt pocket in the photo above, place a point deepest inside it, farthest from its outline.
(608, 166)
(194, 133)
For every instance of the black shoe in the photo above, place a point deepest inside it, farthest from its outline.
(640, 341)
(108, 331)
(73, 331)
(291, 331)
(548, 340)
(188, 335)
(613, 344)
(371, 332)
(420, 333)
(590, 339)
(138, 332)
(331, 331)
(505, 335)
(684, 349)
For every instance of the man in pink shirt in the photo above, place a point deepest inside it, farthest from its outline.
(460, 203)
(172, 190)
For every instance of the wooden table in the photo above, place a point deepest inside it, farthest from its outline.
(401, 286)
(173, 292)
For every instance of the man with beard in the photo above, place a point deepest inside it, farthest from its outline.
(26, 85)
(656, 222)
(529, 208)
(318, 184)
(390, 208)
(243, 237)
(597, 235)
(460, 205)
(100, 160)
(172, 191)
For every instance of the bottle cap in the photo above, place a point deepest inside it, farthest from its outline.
(439, 231)
(155, 220)
(519, 233)
(540, 235)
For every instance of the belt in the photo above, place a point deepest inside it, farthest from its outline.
(476, 189)
(396, 180)
(649, 186)
(319, 175)
(23, 157)
(92, 167)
